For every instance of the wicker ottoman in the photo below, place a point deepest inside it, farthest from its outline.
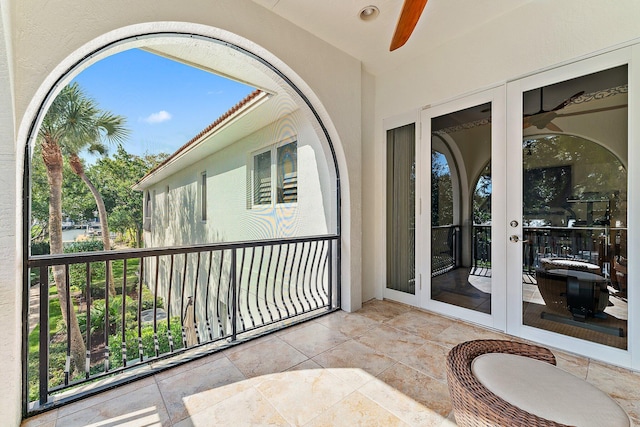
(532, 382)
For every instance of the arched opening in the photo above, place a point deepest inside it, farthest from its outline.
(226, 252)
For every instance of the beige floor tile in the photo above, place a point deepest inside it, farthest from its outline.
(450, 421)
(183, 392)
(621, 384)
(300, 396)
(618, 382)
(307, 364)
(245, 408)
(357, 410)
(193, 364)
(404, 407)
(48, 419)
(576, 365)
(429, 359)
(460, 332)
(272, 380)
(269, 356)
(422, 388)
(423, 324)
(98, 399)
(391, 341)
(352, 354)
(144, 407)
(382, 311)
(313, 339)
(350, 324)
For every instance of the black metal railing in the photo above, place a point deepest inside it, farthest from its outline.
(480, 247)
(597, 245)
(445, 249)
(168, 301)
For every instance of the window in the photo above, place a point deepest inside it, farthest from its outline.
(203, 196)
(288, 173)
(283, 160)
(262, 178)
(166, 202)
(146, 225)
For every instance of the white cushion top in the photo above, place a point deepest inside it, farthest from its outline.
(547, 391)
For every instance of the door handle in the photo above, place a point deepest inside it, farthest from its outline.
(514, 238)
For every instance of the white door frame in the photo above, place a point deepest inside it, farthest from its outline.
(515, 91)
(388, 124)
(497, 318)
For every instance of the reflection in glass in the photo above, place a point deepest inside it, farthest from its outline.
(460, 226)
(574, 153)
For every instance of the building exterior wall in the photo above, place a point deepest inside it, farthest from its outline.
(175, 217)
(10, 234)
(231, 216)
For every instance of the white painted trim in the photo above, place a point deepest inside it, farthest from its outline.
(410, 117)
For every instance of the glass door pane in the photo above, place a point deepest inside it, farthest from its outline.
(401, 202)
(461, 192)
(574, 221)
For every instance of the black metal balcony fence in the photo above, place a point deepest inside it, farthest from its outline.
(600, 245)
(445, 249)
(168, 301)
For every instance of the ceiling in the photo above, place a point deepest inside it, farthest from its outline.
(338, 23)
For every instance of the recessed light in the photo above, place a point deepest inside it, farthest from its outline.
(369, 13)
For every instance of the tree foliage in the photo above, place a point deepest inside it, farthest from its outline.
(115, 177)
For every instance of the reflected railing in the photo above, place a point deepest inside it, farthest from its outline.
(602, 246)
(481, 249)
(168, 301)
(445, 249)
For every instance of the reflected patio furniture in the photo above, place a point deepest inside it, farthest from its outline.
(571, 286)
(491, 383)
(619, 273)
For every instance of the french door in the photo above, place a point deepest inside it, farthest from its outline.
(463, 192)
(570, 207)
(525, 208)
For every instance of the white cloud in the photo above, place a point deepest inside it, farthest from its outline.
(159, 117)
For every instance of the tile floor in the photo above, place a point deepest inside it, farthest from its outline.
(381, 366)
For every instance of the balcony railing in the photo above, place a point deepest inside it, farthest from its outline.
(169, 302)
(445, 249)
(481, 248)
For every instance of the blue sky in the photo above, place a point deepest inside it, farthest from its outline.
(165, 102)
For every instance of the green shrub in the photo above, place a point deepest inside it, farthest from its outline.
(39, 248)
(84, 246)
(131, 335)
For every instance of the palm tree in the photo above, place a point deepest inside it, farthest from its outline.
(72, 123)
(113, 127)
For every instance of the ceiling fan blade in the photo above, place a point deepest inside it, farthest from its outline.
(411, 11)
(553, 127)
(568, 101)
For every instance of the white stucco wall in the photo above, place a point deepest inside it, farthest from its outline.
(10, 234)
(230, 217)
(46, 38)
(535, 36)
